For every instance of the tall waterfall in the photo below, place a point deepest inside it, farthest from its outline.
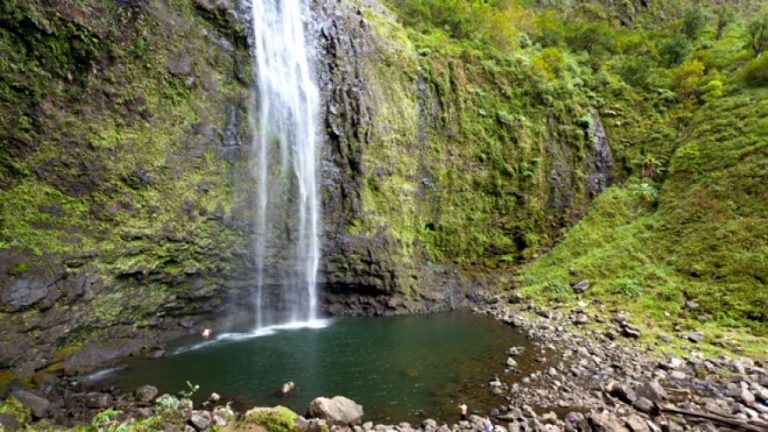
(285, 152)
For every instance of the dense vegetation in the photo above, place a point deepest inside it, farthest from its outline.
(681, 89)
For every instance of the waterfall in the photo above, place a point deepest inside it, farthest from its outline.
(283, 118)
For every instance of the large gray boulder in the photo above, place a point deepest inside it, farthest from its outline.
(37, 404)
(336, 411)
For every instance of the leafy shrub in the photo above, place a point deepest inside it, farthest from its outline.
(12, 406)
(645, 193)
(277, 419)
(626, 287)
(687, 78)
(675, 50)
(756, 72)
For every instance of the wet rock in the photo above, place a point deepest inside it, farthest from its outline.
(37, 405)
(288, 387)
(145, 393)
(580, 287)
(23, 293)
(336, 411)
(200, 420)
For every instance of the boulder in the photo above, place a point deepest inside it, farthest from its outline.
(635, 423)
(695, 337)
(200, 420)
(642, 404)
(622, 391)
(580, 287)
(652, 391)
(746, 397)
(97, 400)
(336, 411)
(629, 331)
(145, 393)
(37, 404)
(605, 423)
(581, 319)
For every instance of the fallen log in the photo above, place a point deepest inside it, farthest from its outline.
(716, 418)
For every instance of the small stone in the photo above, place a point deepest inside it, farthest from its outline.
(516, 298)
(214, 397)
(691, 305)
(511, 363)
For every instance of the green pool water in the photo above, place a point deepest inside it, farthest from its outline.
(399, 368)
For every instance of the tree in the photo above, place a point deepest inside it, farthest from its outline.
(758, 33)
(694, 21)
(725, 16)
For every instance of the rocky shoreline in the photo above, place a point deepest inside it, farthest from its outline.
(589, 380)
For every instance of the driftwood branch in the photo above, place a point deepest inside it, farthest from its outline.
(716, 418)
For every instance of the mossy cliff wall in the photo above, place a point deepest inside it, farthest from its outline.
(124, 178)
(120, 162)
(445, 161)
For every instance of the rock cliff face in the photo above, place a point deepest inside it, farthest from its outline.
(125, 186)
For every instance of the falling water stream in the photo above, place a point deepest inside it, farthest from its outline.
(283, 119)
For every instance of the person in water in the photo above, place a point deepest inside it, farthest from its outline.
(206, 333)
(463, 411)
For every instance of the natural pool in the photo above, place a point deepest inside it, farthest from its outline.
(399, 368)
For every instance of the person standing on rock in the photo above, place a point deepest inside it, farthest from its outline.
(463, 411)
(487, 425)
